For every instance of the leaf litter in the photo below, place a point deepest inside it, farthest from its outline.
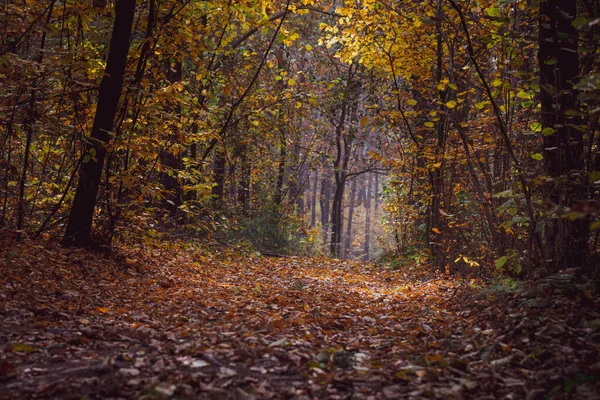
(182, 323)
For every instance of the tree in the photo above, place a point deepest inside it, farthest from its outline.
(567, 235)
(79, 226)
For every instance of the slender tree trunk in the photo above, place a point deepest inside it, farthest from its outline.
(281, 169)
(313, 200)
(29, 139)
(244, 189)
(79, 225)
(376, 191)
(299, 189)
(368, 218)
(563, 149)
(337, 221)
(324, 203)
(348, 241)
(436, 176)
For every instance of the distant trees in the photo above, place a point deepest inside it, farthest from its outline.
(495, 155)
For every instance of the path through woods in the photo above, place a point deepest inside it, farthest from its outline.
(181, 324)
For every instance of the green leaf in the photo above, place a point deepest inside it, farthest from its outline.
(493, 12)
(480, 105)
(527, 104)
(536, 127)
(23, 348)
(501, 261)
(517, 268)
(579, 22)
(548, 131)
(537, 156)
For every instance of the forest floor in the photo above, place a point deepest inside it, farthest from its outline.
(159, 324)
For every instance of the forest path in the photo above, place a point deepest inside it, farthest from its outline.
(181, 324)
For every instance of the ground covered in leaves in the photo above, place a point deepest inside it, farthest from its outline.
(180, 323)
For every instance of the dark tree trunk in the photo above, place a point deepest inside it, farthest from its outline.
(79, 225)
(169, 181)
(436, 176)
(337, 222)
(313, 200)
(219, 175)
(563, 149)
(348, 241)
(324, 203)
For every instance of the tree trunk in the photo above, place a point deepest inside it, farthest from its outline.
(313, 200)
(376, 191)
(244, 189)
(219, 175)
(563, 145)
(79, 225)
(281, 169)
(436, 176)
(324, 203)
(336, 217)
(348, 241)
(368, 218)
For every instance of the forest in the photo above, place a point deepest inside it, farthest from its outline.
(335, 199)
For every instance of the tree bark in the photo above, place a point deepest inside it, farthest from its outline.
(324, 203)
(219, 175)
(368, 218)
(348, 241)
(79, 225)
(313, 200)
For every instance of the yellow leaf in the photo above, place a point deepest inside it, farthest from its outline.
(412, 102)
(103, 310)
(451, 104)
(23, 348)
(364, 121)
(127, 181)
